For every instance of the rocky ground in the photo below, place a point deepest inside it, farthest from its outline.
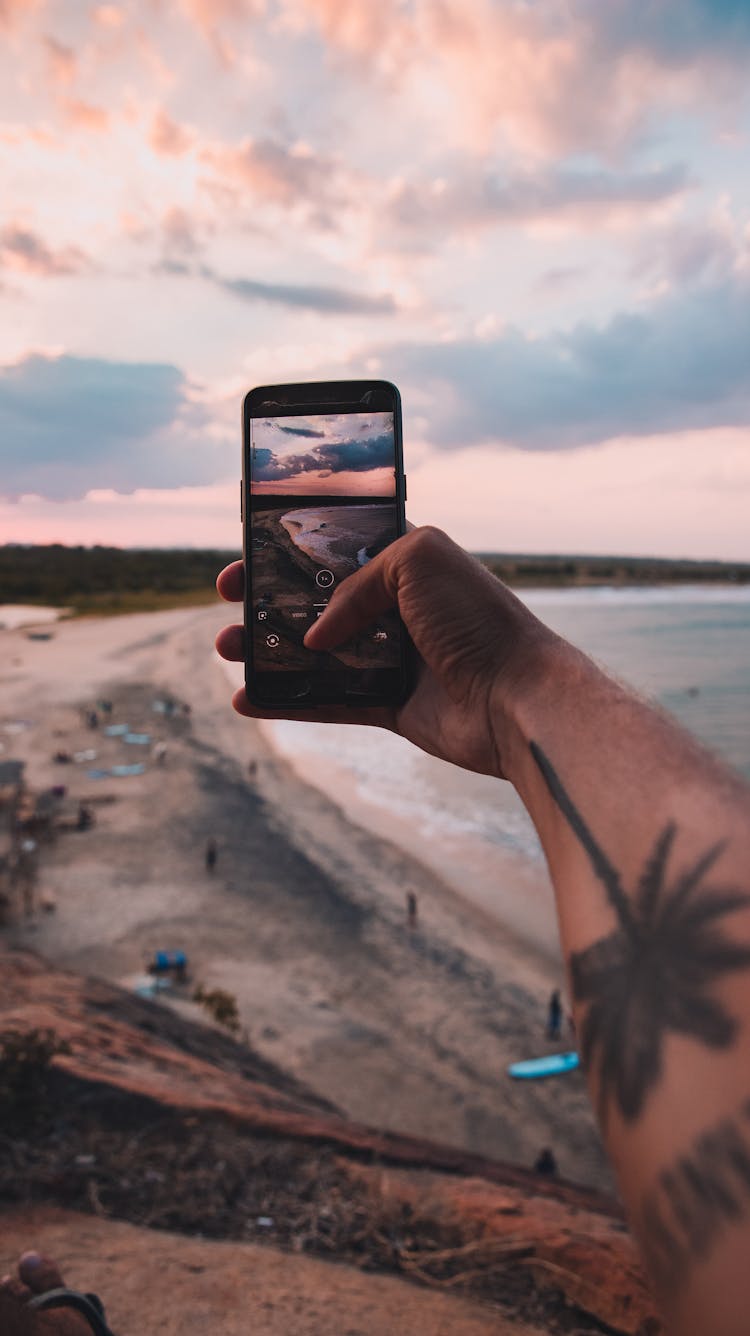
(148, 1118)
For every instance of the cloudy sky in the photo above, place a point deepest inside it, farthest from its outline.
(343, 454)
(532, 215)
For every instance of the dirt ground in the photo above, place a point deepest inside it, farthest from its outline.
(177, 1286)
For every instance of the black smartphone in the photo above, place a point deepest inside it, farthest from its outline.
(323, 491)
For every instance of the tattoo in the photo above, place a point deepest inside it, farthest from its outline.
(703, 1193)
(653, 974)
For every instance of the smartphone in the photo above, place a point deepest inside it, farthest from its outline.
(323, 492)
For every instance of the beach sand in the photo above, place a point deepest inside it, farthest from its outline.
(303, 918)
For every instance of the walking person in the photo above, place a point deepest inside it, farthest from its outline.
(554, 1015)
(212, 854)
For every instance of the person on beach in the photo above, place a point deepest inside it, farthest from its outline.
(647, 838)
(411, 910)
(545, 1163)
(212, 854)
(554, 1015)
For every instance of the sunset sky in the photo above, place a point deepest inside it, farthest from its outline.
(532, 216)
(340, 454)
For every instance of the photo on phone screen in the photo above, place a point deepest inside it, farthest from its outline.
(322, 502)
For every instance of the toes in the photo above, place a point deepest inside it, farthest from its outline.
(38, 1272)
(231, 582)
(12, 1285)
(230, 643)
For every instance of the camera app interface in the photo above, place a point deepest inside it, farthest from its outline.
(322, 504)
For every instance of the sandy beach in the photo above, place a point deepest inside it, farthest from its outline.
(303, 918)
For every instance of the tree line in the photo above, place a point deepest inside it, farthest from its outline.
(114, 579)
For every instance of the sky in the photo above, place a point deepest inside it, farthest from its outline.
(339, 454)
(533, 216)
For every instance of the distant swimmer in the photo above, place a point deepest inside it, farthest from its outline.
(554, 1015)
(212, 854)
(411, 909)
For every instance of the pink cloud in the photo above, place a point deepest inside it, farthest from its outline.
(11, 10)
(374, 33)
(61, 61)
(517, 73)
(482, 195)
(179, 231)
(108, 16)
(167, 137)
(24, 250)
(207, 15)
(86, 116)
(278, 175)
(563, 76)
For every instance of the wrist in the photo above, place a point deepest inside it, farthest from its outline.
(527, 693)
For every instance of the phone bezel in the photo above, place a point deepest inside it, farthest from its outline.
(301, 689)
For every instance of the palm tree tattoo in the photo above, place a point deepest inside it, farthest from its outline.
(654, 973)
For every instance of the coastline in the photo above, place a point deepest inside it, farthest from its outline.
(304, 918)
(500, 885)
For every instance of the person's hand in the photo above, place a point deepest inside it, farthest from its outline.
(477, 646)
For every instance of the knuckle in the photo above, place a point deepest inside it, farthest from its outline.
(429, 540)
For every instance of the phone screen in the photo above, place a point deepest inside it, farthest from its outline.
(322, 502)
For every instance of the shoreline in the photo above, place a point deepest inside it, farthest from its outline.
(303, 920)
(467, 869)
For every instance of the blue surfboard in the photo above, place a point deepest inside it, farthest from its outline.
(551, 1065)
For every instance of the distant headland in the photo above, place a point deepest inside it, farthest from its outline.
(527, 571)
(109, 580)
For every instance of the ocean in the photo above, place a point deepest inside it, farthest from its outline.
(686, 647)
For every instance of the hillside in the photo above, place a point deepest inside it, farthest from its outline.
(154, 1120)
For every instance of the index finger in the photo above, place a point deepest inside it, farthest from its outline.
(231, 582)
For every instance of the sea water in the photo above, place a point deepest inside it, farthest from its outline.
(688, 648)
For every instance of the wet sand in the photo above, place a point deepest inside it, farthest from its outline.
(340, 537)
(303, 919)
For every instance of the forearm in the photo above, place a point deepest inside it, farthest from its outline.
(648, 843)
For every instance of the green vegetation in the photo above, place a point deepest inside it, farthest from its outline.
(25, 1060)
(220, 1005)
(103, 581)
(109, 580)
(527, 571)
